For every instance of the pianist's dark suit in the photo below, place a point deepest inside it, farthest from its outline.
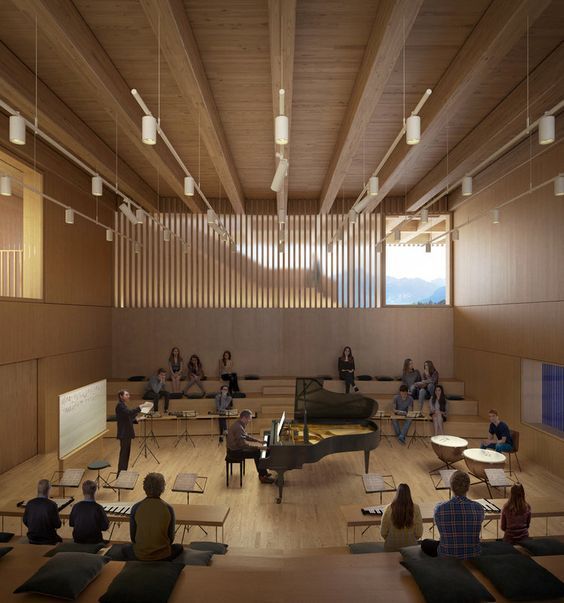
(125, 433)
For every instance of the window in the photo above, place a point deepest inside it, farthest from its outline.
(542, 396)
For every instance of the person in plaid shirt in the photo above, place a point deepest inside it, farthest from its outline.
(459, 521)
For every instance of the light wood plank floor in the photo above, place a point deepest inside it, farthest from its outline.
(308, 517)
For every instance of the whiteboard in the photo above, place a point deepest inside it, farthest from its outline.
(82, 416)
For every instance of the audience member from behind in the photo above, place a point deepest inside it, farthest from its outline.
(226, 372)
(175, 369)
(152, 524)
(156, 389)
(194, 374)
(87, 517)
(401, 404)
(410, 376)
(516, 516)
(402, 524)
(346, 369)
(41, 516)
(438, 409)
(426, 387)
(223, 402)
(237, 438)
(499, 434)
(459, 521)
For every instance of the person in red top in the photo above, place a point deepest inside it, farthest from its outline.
(516, 516)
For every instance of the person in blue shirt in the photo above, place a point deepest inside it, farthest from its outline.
(499, 434)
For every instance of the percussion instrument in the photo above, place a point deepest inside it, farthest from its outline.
(449, 449)
(478, 460)
(117, 508)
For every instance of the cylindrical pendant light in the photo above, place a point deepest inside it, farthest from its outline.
(17, 129)
(97, 186)
(109, 235)
(495, 216)
(282, 215)
(413, 129)
(466, 186)
(185, 248)
(559, 185)
(5, 186)
(137, 247)
(149, 129)
(379, 247)
(353, 216)
(69, 216)
(140, 216)
(455, 234)
(547, 129)
(166, 235)
(330, 247)
(281, 247)
(427, 247)
(189, 186)
(424, 216)
(397, 235)
(281, 129)
(373, 186)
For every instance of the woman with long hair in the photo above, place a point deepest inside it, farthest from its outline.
(438, 409)
(426, 386)
(516, 516)
(226, 371)
(402, 524)
(410, 376)
(346, 369)
(175, 368)
(194, 374)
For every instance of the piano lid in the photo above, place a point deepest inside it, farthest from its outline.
(323, 404)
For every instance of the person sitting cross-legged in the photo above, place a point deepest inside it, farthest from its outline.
(152, 524)
(499, 434)
(41, 516)
(87, 517)
(401, 404)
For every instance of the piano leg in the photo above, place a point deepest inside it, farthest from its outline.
(280, 484)
(366, 460)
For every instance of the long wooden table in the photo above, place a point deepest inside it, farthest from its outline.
(213, 516)
(542, 507)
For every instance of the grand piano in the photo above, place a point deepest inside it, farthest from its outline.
(324, 423)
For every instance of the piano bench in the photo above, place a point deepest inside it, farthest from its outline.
(229, 462)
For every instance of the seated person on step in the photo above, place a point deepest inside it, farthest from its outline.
(401, 404)
(424, 389)
(87, 517)
(41, 516)
(438, 409)
(499, 434)
(226, 372)
(223, 402)
(346, 369)
(152, 524)
(155, 390)
(194, 374)
(237, 447)
(410, 376)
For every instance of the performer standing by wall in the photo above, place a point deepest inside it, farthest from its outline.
(125, 432)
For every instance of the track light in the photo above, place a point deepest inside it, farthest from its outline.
(455, 235)
(281, 171)
(109, 235)
(137, 247)
(330, 247)
(125, 209)
(413, 129)
(397, 235)
(281, 247)
(353, 216)
(466, 186)
(5, 186)
(373, 186)
(69, 216)
(166, 235)
(359, 207)
(185, 248)
(97, 186)
(281, 129)
(17, 129)
(424, 216)
(427, 247)
(212, 217)
(546, 129)
(140, 216)
(149, 129)
(379, 247)
(495, 216)
(189, 186)
(559, 185)
(282, 215)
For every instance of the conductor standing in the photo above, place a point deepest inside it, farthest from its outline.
(125, 417)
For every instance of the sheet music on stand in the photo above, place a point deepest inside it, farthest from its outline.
(487, 505)
(375, 510)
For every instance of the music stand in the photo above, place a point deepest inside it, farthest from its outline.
(190, 483)
(144, 448)
(380, 415)
(185, 434)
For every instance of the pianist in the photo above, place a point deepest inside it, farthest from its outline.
(41, 516)
(88, 519)
(237, 438)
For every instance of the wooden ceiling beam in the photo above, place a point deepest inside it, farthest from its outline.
(17, 83)
(501, 26)
(430, 226)
(282, 28)
(505, 122)
(61, 22)
(180, 50)
(392, 24)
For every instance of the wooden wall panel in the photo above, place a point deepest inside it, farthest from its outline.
(18, 408)
(283, 341)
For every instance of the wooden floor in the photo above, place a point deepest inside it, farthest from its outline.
(309, 516)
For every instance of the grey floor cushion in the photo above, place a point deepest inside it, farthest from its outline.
(498, 547)
(217, 548)
(360, 548)
(143, 582)
(73, 547)
(65, 575)
(4, 550)
(543, 546)
(446, 581)
(193, 557)
(120, 552)
(520, 578)
(6, 536)
(413, 552)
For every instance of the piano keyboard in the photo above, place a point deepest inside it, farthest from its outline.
(265, 441)
(117, 508)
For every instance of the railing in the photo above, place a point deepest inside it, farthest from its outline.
(11, 273)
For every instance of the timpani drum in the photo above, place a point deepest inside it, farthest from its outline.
(478, 460)
(448, 448)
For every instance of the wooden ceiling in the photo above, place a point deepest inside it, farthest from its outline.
(218, 88)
